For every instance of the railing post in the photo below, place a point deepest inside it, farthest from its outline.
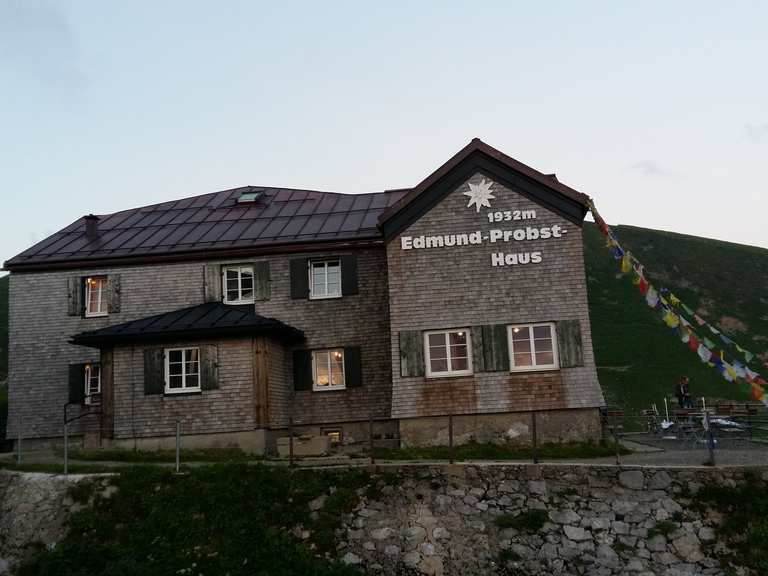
(18, 442)
(178, 443)
(710, 440)
(66, 448)
(290, 441)
(534, 439)
(370, 437)
(450, 437)
(615, 442)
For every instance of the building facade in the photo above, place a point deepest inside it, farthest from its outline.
(247, 313)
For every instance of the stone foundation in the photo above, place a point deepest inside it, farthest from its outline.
(511, 427)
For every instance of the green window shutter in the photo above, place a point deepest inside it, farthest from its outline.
(212, 283)
(113, 293)
(209, 367)
(569, 348)
(299, 278)
(349, 275)
(495, 347)
(411, 353)
(76, 383)
(75, 296)
(478, 354)
(302, 370)
(154, 371)
(262, 286)
(353, 369)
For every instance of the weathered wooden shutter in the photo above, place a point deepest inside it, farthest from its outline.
(209, 367)
(107, 393)
(75, 296)
(411, 353)
(353, 369)
(349, 275)
(478, 352)
(299, 278)
(495, 347)
(569, 348)
(154, 371)
(113, 293)
(76, 383)
(212, 282)
(262, 285)
(302, 370)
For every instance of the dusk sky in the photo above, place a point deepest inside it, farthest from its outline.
(657, 110)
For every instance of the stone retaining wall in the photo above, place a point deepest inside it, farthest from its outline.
(599, 521)
(33, 509)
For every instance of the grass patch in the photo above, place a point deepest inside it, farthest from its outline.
(663, 528)
(163, 456)
(232, 518)
(528, 521)
(490, 451)
(745, 527)
(54, 468)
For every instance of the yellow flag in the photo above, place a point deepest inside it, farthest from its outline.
(674, 299)
(626, 264)
(671, 319)
(731, 371)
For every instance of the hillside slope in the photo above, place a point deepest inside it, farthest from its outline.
(639, 359)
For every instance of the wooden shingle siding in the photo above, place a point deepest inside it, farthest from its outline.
(113, 293)
(495, 348)
(212, 282)
(154, 371)
(411, 353)
(75, 296)
(209, 367)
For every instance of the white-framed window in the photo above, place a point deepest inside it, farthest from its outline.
(95, 296)
(448, 352)
(325, 278)
(237, 284)
(92, 383)
(182, 370)
(328, 369)
(532, 347)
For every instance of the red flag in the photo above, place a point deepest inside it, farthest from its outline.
(693, 343)
(643, 285)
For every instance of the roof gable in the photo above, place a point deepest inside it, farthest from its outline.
(476, 157)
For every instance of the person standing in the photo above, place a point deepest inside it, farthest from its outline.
(683, 393)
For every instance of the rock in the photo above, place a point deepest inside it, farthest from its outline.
(635, 565)
(564, 517)
(477, 525)
(351, 559)
(657, 544)
(509, 487)
(356, 534)
(632, 479)
(687, 547)
(606, 556)
(576, 533)
(382, 533)
(671, 506)
(432, 566)
(470, 500)
(620, 527)
(412, 559)
(537, 487)
(600, 523)
(660, 481)
(392, 550)
(440, 533)
(414, 535)
(477, 492)
(427, 549)
(318, 502)
(707, 534)
(442, 502)
(370, 546)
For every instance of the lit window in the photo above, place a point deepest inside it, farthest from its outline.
(238, 284)
(334, 434)
(448, 353)
(182, 370)
(532, 347)
(96, 296)
(92, 383)
(324, 279)
(328, 369)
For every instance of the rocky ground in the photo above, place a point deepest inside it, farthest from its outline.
(597, 521)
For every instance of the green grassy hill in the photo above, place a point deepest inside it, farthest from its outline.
(639, 359)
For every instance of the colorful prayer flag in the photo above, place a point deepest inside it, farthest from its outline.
(652, 297)
(704, 353)
(671, 319)
(687, 310)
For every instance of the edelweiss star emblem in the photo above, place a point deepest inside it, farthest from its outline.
(480, 194)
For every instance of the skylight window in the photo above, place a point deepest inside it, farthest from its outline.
(247, 197)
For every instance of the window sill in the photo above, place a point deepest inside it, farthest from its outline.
(193, 392)
(239, 302)
(329, 389)
(535, 369)
(325, 297)
(94, 315)
(442, 375)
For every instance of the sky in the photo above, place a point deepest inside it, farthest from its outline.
(657, 110)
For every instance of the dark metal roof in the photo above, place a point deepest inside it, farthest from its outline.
(213, 222)
(212, 319)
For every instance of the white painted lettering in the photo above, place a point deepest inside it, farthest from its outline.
(406, 242)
